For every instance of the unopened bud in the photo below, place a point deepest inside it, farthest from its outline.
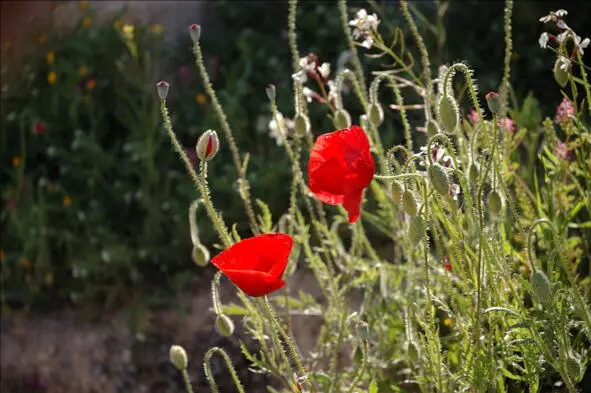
(200, 255)
(448, 113)
(363, 330)
(270, 90)
(376, 114)
(342, 119)
(561, 74)
(574, 369)
(473, 174)
(409, 203)
(432, 128)
(416, 229)
(207, 145)
(162, 88)
(495, 202)
(302, 124)
(224, 325)
(397, 190)
(195, 32)
(541, 287)
(493, 100)
(439, 179)
(178, 357)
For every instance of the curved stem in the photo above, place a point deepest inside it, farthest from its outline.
(228, 362)
(187, 381)
(193, 222)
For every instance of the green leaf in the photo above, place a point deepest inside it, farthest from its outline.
(265, 220)
(373, 386)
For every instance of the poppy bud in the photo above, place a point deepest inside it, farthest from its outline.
(178, 357)
(493, 100)
(397, 191)
(432, 128)
(409, 203)
(342, 119)
(207, 145)
(416, 229)
(574, 369)
(363, 330)
(413, 352)
(195, 32)
(495, 202)
(270, 90)
(541, 287)
(473, 174)
(162, 88)
(302, 124)
(560, 74)
(224, 325)
(376, 114)
(448, 113)
(200, 255)
(439, 179)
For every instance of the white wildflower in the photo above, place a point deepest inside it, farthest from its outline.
(279, 128)
(300, 76)
(367, 43)
(564, 63)
(308, 93)
(561, 13)
(562, 36)
(307, 65)
(363, 25)
(553, 16)
(581, 44)
(543, 40)
(324, 70)
(332, 90)
(561, 24)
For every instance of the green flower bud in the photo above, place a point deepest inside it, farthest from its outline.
(473, 174)
(495, 203)
(342, 119)
(162, 89)
(178, 357)
(363, 330)
(413, 352)
(448, 113)
(432, 128)
(397, 190)
(302, 124)
(439, 179)
(560, 74)
(409, 203)
(493, 100)
(195, 32)
(574, 369)
(376, 114)
(270, 90)
(416, 229)
(207, 145)
(200, 255)
(541, 287)
(224, 325)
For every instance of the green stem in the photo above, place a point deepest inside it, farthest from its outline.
(187, 381)
(209, 375)
(508, 53)
(361, 371)
(352, 47)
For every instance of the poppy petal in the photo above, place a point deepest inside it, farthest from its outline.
(352, 204)
(254, 283)
(326, 179)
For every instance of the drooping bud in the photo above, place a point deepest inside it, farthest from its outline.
(200, 255)
(301, 124)
(162, 88)
(270, 90)
(448, 113)
(224, 325)
(376, 114)
(439, 179)
(473, 174)
(561, 72)
(416, 229)
(541, 287)
(397, 190)
(495, 203)
(207, 145)
(432, 128)
(342, 119)
(493, 100)
(178, 357)
(409, 203)
(195, 32)
(363, 330)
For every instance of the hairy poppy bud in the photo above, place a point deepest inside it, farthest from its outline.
(302, 124)
(342, 119)
(162, 88)
(416, 229)
(376, 114)
(495, 202)
(178, 357)
(448, 113)
(439, 179)
(207, 145)
(200, 255)
(195, 32)
(560, 73)
(432, 128)
(473, 174)
(270, 90)
(574, 369)
(224, 325)
(409, 203)
(541, 287)
(363, 330)
(397, 191)
(493, 100)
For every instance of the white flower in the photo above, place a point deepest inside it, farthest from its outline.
(561, 24)
(308, 93)
(307, 65)
(543, 40)
(324, 70)
(300, 76)
(581, 44)
(562, 36)
(363, 25)
(553, 16)
(367, 43)
(561, 13)
(277, 128)
(564, 63)
(332, 90)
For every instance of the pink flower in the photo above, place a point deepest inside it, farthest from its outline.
(472, 116)
(563, 153)
(564, 111)
(507, 124)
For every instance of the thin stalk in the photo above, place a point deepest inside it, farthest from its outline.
(352, 47)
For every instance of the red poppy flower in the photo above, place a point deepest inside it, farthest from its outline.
(340, 168)
(256, 265)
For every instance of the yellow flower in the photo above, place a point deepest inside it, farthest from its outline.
(50, 57)
(51, 78)
(24, 262)
(448, 322)
(156, 28)
(90, 84)
(201, 99)
(83, 4)
(41, 39)
(67, 201)
(128, 31)
(16, 161)
(87, 21)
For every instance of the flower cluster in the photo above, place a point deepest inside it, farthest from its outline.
(564, 112)
(556, 17)
(310, 67)
(363, 27)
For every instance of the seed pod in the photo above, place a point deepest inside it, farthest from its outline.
(162, 89)
(574, 369)
(495, 203)
(473, 174)
(207, 145)
(439, 179)
(376, 114)
(448, 113)
(342, 119)
(200, 255)
(397, 190)
(560, 75)
(432, 128)
(409, 203)
(178, 357)
(302, 124)
(224, 325)
(416, 230)
(363, 330)
(541, 287)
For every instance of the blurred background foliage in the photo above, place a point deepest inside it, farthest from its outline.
(95, 201)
